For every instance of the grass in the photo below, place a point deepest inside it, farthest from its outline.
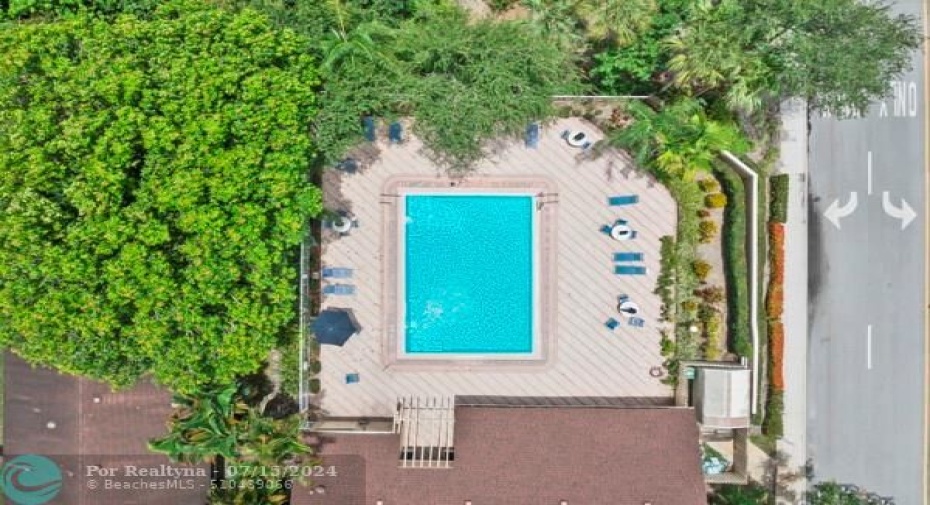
(734, 259)
(290, 365)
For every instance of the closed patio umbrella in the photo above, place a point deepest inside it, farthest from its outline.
(335, 326)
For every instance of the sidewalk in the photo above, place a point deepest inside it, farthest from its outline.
(793, 161)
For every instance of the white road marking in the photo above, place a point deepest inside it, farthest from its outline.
(868, 344)
(870, 173)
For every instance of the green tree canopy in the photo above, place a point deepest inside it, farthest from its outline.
(838, 54)
(152, 192)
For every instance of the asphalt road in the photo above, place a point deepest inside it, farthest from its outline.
(867, 340)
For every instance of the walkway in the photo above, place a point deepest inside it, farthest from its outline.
(794, 162)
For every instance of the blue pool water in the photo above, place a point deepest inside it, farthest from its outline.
(469, 274)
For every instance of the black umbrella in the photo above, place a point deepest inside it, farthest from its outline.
(335, 326)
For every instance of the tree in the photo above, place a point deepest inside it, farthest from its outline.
(838, 54)
(474, 81)
(729, 494)
(153, 192)
(831, 493)
(221, 423)
(678, 140)
(620, 20)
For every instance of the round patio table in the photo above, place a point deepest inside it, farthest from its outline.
(577, 139)
(342, 224)
(621, 232)
(628, 308)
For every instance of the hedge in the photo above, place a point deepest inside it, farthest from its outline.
(777, 346)
(778, 187)
(773, 425)
(775, 299)
(735, 266)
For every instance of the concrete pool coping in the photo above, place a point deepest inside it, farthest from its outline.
(545, 198)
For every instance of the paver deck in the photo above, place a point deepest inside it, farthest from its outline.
(584, 358)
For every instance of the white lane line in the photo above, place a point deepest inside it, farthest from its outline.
(868, 356)
(870, 173)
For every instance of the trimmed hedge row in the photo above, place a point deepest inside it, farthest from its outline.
(773, 425)
(734, 260)
(778, 190)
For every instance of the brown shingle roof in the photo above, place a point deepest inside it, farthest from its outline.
(111, 432)
(528, 456)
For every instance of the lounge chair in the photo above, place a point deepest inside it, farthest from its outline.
(605, 229)
(623, 298)
(565, 134)
(637, 322)
(628, 256)
(395, 133)
(630, 270)
(620, 221)
(336, 273)
(632, 234)
(532, 135)
(353, 378)
(622, 200)
(339, 289)
(368, 123)
(612, 324)
(348, 165)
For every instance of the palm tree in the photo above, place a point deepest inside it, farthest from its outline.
(678, 140)
(557, 22)
(203, 426)
(346, 46)
(712, 53)
(620, 20)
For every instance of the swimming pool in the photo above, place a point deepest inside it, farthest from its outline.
(468, 286)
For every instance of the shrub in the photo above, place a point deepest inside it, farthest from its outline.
(774, 305)
(712, 335)
(315, 367)
(711, 295)
(701, 269)
(715, 201)
(314, 386)
(709, 185)
(703, 213)
(689, 306)
(734, 261)
(773, 425)
(778, 188)
(777, 351)
(708, 230)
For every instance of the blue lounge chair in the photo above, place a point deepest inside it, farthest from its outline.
(605, 229)
(532, 135)
(339, 289)
(628, 256)
(337, 273)
(353, 378)
(348, 165)
(368, 123)
(395, 133)
(637, 322)
(632, 234)
(565, 134)
(620, 221)
(612, 324)
(623, 298)
(622, 200)
(629, 270)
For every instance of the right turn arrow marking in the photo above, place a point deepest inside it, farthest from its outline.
(905, 213)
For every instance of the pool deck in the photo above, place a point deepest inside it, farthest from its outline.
(584, 358)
